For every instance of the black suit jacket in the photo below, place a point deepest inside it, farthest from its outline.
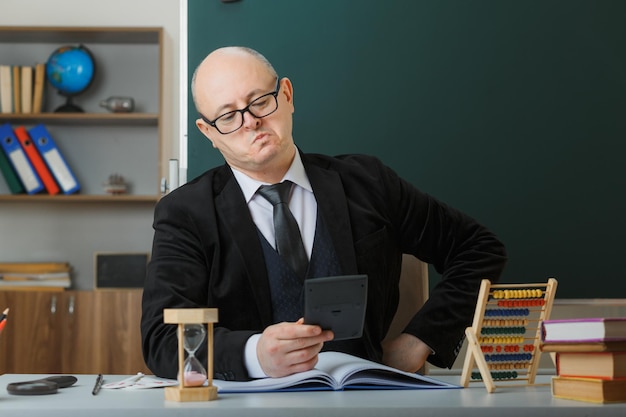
(206, 253)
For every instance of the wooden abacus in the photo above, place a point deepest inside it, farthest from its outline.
(503, 341)
(182, 316)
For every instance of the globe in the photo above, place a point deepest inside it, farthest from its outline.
(70, 70)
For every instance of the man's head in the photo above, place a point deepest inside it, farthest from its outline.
(233, 79)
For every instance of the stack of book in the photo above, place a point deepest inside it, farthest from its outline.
(590, 358)
(21, 88)
(35, 276)
(31, 162)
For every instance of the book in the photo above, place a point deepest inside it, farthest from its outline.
(10, 177)
(36, 160)
(19, 161)
(611, 346)
(54, 159)
(17, 94)
(337, 371)
(584, 330)
(34, 267)
(589, 389)
(25, 276)
(28, 275)
(6, 89)
(40, 78)
(605, 365)
(26, 283)
(27, 89)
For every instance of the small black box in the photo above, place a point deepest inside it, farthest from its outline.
(120, 270)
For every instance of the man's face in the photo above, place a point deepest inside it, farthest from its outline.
(231, 83)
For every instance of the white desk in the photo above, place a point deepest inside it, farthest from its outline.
(535, 401)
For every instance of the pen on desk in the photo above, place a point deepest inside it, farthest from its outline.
(99, 381)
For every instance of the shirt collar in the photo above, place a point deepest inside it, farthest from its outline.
(295, 174)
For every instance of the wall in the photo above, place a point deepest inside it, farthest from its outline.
(73, 232)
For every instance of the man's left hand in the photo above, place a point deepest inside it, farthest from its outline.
(405, 352)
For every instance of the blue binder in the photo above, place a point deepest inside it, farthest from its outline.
(19, 161)
(55, 161)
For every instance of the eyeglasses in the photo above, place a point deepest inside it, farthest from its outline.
(260, 107)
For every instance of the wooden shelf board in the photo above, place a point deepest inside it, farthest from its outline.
(78, 198)
(84, 118)
(68, 34)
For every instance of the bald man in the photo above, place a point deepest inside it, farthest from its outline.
(214, 242)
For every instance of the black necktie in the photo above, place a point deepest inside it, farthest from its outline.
(288, 240)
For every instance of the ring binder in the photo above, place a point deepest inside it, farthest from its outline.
(36, 161)
(51, 154)
(10, 176)
(20, 162)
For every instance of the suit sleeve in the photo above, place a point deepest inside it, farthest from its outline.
(462, 250)
(179, 277)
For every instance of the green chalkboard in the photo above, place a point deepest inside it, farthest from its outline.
(512, 111)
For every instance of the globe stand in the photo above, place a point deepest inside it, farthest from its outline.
(182, 316)
(68, 107)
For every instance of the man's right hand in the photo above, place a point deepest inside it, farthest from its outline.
(287, 348)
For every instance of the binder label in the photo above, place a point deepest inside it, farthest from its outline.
(63, 175)
(21, 164)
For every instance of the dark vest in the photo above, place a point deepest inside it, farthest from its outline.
(287, 289)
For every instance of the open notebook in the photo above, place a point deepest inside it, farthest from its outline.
(337, 371)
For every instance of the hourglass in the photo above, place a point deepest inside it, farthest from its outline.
(194, 373)
(191, 333)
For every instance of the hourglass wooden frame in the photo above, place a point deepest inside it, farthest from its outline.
(182, 316)
(505, 345)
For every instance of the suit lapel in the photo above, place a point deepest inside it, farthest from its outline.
(333, 206)
(234, 212)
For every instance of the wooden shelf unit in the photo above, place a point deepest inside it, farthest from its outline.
(98, 143)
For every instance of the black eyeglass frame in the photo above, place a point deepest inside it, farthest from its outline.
(245, 109)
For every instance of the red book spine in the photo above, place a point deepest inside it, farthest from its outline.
(35, 158)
